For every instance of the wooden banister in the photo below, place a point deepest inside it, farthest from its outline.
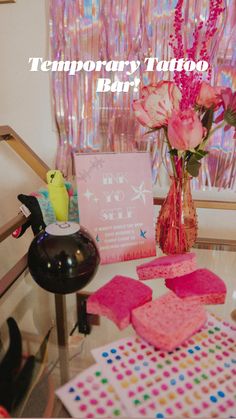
(24, 151)
(7, 229)
(14, 141)
(12, 275)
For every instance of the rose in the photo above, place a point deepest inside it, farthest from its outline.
(209, 96)
(229, 104)
(228, 114)
(157, 103)
(185, 130)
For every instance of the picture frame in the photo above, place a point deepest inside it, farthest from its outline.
(7, 1)
(116, 203)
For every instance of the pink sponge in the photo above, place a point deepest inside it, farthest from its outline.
(118, 298)
(202, 286)
(167, 266)
(168, 321)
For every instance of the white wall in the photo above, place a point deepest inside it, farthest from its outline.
(25, 102)
(25, 105)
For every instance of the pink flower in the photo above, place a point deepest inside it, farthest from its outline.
(157, 103)
(209, 96)
(185, 130)
(229, 105)
(229, 99)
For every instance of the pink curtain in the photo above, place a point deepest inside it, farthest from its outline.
(126, 30)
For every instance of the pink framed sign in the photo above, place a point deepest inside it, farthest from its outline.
(116, 203)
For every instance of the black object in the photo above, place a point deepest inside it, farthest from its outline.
(10, 364)
(35, 220)
(23, 382)
(15, 379)
(83, 323)
(63, 258)
(11, 361)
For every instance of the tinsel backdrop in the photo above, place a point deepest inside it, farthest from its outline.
(126, 30)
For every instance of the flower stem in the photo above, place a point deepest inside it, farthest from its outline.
(216, 128)
(210, 135)
(171, 156)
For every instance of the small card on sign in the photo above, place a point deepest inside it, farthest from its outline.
(116, 203)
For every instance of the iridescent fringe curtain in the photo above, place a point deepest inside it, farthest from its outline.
(126, 30)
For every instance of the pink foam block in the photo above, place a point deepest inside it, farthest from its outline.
(167, 266)
(168, 321)
(118, 298)
(202, 286)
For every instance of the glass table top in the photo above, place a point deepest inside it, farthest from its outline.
(34, 311)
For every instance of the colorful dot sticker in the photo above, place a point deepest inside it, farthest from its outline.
(221, 394)
(91, 395)
(105, 354)
(196, 379)
(86, 393)
(104, 380)
(116, 412)
(101, 410)
(155, 392)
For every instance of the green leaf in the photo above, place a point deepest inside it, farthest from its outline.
(199, 154)
(152, 130)
(230, 117)
(207, 119)
(173, 152)
(193, 166)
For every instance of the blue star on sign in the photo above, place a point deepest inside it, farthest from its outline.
(143, 234)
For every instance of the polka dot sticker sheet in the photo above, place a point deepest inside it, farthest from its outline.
(198, 379)
(90, 395)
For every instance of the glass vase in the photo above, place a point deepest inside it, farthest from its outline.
(176, 228)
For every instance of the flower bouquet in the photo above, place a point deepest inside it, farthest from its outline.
(189, 111)
(187, 132)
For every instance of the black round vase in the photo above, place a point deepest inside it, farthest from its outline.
(63, 258)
